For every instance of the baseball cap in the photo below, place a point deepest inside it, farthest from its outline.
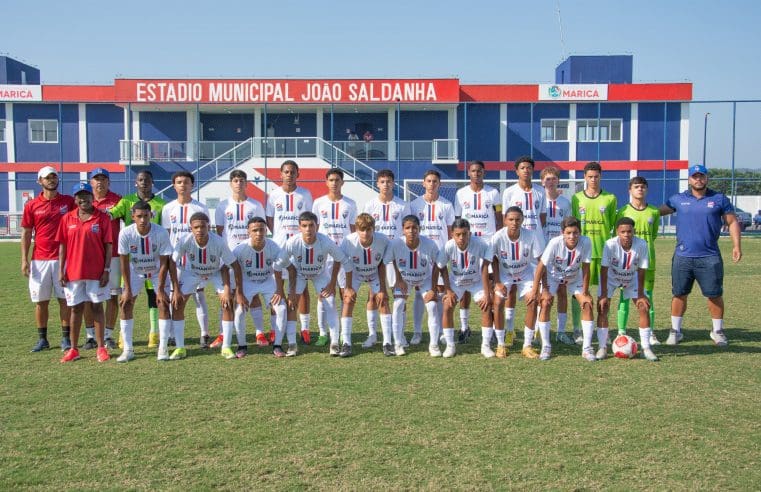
(46, 171)
(698, 168)
(100, 170)
(80, 187)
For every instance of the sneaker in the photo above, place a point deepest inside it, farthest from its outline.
(345, 350)
(42, 344)
(179, 353)
(293, 350)
(654, 340)
(434, 350)
(227, 353)
(388, 350)
(589, 354)
(102, 354)
(241, 352)
(501, 352)
(306, 337)
(153, 340)
(509, 337)
(171, 342)
(674, 337)
(529, 352)
(126, 356)
(450, 351)
(602, 353)
(371, 340)
(578, 337)
(216, 343)
(487, 352)
(70, 355)
(110, 344)
(163, 354)
(271, 337)
(649, 355)
(546, 353)
(442, 339)
(405, 343)
(564, 339)
(399, 350)
(416, 339)
(90, 344)
(204, 342)
(719, 338)
(65, 343)
(464, 336)
(261, 340)
(334, 350)
(322, 341)
(277, 351)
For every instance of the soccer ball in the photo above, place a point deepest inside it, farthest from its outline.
(625, 347)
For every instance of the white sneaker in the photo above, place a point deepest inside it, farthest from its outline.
(416, 339)
(334, 349)
(602, 353)
(443, 339)
(546, 353)
(434, 350)
(126, 356)
(292, 351)
(450, 351)
(163, 353)
(674, 337)
(719, 338)
(371, 340)
(649, 355)
(487, 352)
(399, 350)
(589, 354)
(578, 337)
(654, 340)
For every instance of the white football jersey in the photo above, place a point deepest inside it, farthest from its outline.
(257, 266)
(336, 218)
(388, 216)
(435, 219)
(563, 264)
(557, 210)
(175, 217)
(415, 265)
(145, 251)
(366, 260)
(623, 265)
(465, 266)
(309, 259)
(207, 260)
(285, 209)
(233, 216)
(531, 202)
(478, 209)
(518, 259)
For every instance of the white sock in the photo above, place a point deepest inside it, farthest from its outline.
(304, 320)
(346, 330)
(510, 319)
(602, 337)
(279, 322)
(202, 313)
(179, 333)
(227, 333)
(291, 332)
(587, 331)
(500, 337)
(464, 316)
(562, 319)
(240, 325)
(718, 324)
(321, 318)
(126, 325)
(164, 328)
(108, 333)
(386, 328)
(528, 335)
(398, 321)
(434, 325)
(329, 310)
(644, 337)
(486, 334)
(220, 323)
(90, 330)
(257, 316)
(676, 323)
(372, 323)
(418, 308)
(449, 335)
(544, 333)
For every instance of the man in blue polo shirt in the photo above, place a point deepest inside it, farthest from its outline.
(700, 212)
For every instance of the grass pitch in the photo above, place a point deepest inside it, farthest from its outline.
(690, 421)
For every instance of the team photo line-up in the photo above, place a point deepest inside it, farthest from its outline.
(531, 244)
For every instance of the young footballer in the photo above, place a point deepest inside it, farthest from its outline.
(479, 204)
(526, 195)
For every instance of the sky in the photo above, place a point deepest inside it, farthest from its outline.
(712, 44)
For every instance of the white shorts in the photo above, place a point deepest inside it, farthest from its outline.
(390, 275)
(573, 287)
(523, 286)
(43, 281)
(460, 291)
(630, 291)
(138, 282)
(80, 291)
(319, 282)
(374, 284)
(115, 277)
(266, 289)
(425, 286)
(190, 282)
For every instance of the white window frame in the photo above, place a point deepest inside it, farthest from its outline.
(2, 130)
(44, 122)
(554, 122)
(591, 124)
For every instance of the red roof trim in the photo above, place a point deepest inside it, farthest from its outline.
(671, 165)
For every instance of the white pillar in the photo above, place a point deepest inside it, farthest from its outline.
(82, 132)
(684, 133)
(391, 134)
(12, 205)
(503, 139)
(452, 123)
(319, 129)
(135, 125)
(10, 133)
(192, 131)
(572, 133)
(634, 133)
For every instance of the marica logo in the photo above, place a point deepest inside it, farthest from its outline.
(554, 91)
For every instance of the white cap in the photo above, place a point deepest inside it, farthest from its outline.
(46, 171)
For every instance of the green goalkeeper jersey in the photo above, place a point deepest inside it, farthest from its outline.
(645, 226)
(597, 216)
(123, 209)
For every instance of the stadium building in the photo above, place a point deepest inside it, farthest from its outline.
(592, 111)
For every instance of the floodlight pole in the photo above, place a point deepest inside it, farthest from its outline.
(705, 133)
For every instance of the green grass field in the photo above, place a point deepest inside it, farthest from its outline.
(690, 421)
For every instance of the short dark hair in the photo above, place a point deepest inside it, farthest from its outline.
(524, 158)
(638, 180)
(146, 172)
(198, 216)
(570, 221)
(461, 224)
(476, 163)
(308, 216)
(624, 221)
(592, 166)
(336, 171)
(237, 173)
(141, 205)
(514, 209)
(432, 171)
(184, 174)
(411, 218)
(256, 220)
(385, 173)
(289, 162)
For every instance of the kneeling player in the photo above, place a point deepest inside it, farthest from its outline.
(369, 252)
(207, 260)
(144, 253)
(257, 258)
(516, 252)
(624, 265)
(565, 261)
(470, 260)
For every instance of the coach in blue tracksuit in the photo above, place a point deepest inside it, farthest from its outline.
(700, 212)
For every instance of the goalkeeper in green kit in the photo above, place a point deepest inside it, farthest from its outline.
(646, 219)
(596, 210)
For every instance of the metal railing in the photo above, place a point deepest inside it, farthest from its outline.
(408, 150)
(10, 225)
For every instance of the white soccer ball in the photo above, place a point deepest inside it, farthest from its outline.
(625, 347)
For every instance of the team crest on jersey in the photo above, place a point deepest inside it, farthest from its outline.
(465, 204)
(536, 204)
(299, 205)
(355, 259)
(402, 262)
(95, 228)
(298, 259)
(487, 204)
(421, 215)
(602, 210)
(423, 262)
(192, 256)
(249, 263)
(395, 215)
(279, 207)
(229, 215)
(614, 261)
(503, 255)
(320, 258)
(376, 217)
(345, 214)
(173, 218)
(63, 210)
(710, 204)
(650, 220)
(518, 204)
(324, 214)
(212, 258)
(133, 248)
(268, 261)
(582, 210)
(377, 256)
(250, 215)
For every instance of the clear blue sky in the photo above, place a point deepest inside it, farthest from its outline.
(712, 44)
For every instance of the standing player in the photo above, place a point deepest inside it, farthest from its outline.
(175, 217)
(123, 211)
(557, 207)
(596, 210)
(479, 204)
(284, 206)
(526, 195)
(516, 252)
(337, 214)
(144, 253)
(41, 218)
(624, 263)
(470, 260)
(85, 239)
(207, 259)
(646, 219)
(370, 251)
(436, 215)
(232, 216)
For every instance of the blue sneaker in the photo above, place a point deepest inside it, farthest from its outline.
(42, 344)
(65, 344)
